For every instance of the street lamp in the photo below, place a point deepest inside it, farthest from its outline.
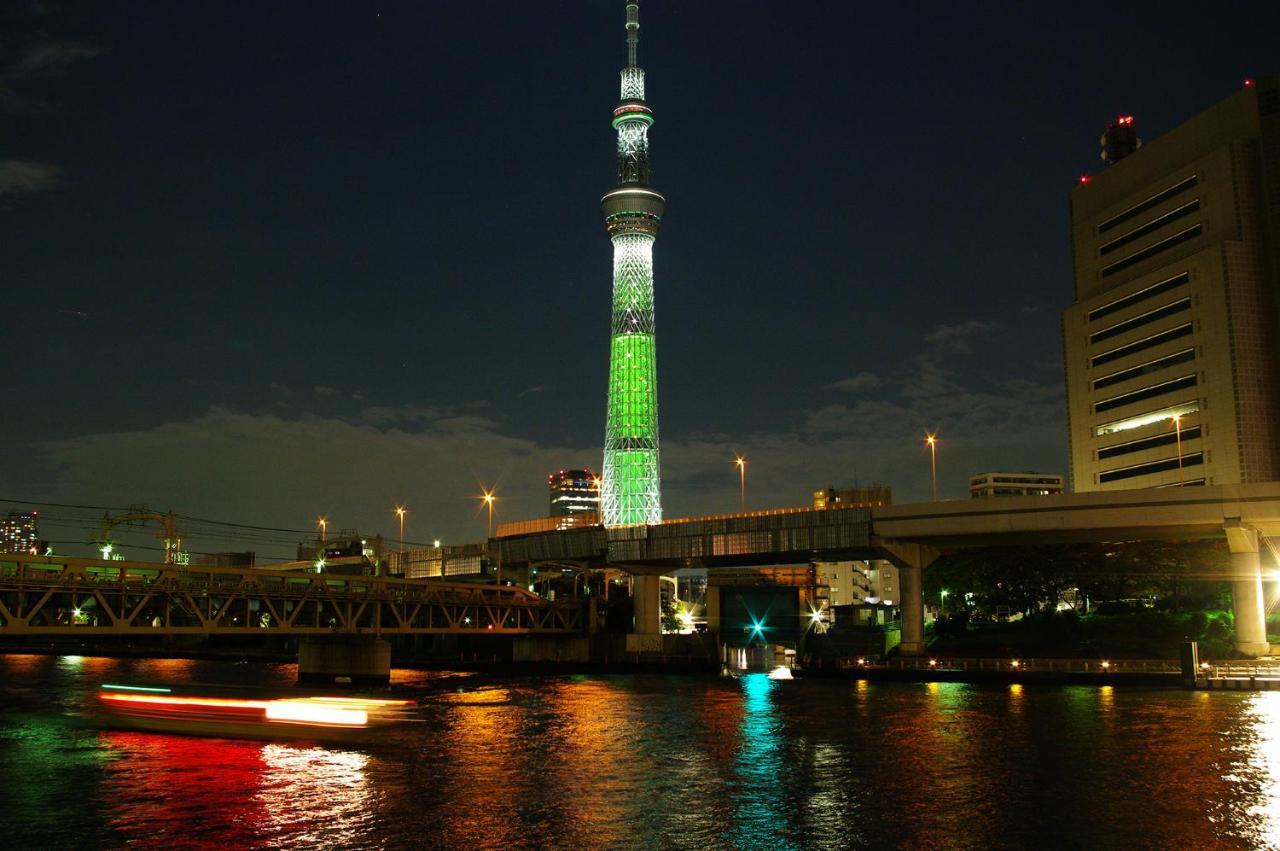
(741, 461)
(942, 600)
(400, 514)
(1177, 426)
(932, 441)
(324, 528)
(488, 498)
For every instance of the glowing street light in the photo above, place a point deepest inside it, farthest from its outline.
(741, 462)
(932, 441)
(488, 497)
(323, 523)
(1177, 426)
(436, 543)
(400, 514)
(942, 599)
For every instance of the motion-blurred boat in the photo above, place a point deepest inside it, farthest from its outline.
(244, 713)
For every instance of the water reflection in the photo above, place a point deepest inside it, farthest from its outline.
(627, 761)
(759, 820)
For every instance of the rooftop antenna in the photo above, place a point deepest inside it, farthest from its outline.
(633, 31)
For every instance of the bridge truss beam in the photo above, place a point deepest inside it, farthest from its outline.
(64, 596)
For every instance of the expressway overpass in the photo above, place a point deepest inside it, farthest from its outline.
(911, 537)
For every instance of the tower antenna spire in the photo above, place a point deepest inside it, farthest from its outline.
(633, 31)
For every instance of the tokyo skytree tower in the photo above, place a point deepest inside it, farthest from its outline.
(630, 488)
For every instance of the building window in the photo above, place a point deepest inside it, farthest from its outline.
(1139, 345)
(1149, 204)
(1152, 250)
(1169, 439)
(1150, 227)
(1184, 356)
(1140, 320)
(1150, 417)
(1145, 393)
(1194, 459)
(1141, 295)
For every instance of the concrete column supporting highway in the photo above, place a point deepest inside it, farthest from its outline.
(713, 608)
(1246, 589)
(647, 600)
(911, 560)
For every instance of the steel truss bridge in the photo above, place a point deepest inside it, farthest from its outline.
(47, 595)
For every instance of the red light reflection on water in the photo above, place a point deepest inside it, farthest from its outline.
(194, 792)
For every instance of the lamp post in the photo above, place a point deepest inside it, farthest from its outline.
(932, 441)
(488, 498)
(400, 514)
(1177, 427)
(741, 461)
(942, 601)
(324, 528)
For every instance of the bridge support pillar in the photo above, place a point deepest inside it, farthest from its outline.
(344, 660)
(911, 560)
(647, 601)
(713, 608)
(1246, 589)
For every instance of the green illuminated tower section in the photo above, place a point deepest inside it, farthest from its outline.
(630, 490)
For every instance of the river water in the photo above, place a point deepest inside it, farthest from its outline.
(631, 761)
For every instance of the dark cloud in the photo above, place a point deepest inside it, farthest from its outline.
(862, 381)
(22, 177)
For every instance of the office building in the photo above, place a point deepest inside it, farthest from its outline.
(20, 532)
(874, 495)
(1169, 350)
(573, 493)
(1015, 484)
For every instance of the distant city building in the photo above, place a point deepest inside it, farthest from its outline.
(871, 496)
(1170, 362)
(227, 559)
(1015, 484)
(20, 532)
(857, 582)
(574, 492)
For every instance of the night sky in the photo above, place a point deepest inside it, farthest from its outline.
(268, 261)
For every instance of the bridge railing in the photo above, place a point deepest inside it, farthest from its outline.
(1010, 665)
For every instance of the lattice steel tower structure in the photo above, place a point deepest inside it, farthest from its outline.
(630, 490)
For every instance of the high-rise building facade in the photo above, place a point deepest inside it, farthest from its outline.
(20, 532)
(1170, 356)
(573, 493)
(631, 491)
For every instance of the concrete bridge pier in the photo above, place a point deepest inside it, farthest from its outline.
(646, 602)
(1246, 589)
(911, 560)
(344, 659)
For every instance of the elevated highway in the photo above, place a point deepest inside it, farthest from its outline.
(911, 536)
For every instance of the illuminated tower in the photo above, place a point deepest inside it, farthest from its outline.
(632, 214)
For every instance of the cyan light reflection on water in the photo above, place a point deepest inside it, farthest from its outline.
(759, 821)
(652, 762)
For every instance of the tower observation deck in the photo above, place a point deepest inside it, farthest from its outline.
(630, 489)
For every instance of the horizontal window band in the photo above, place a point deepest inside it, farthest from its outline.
(1147, 418)
(1170, 439)
(1152, 250)
(1149, 204)
(1141, 319)
(1141, 295)
(1139, 345)
(1149, 228)
(1184, 356)
(1164, 465)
